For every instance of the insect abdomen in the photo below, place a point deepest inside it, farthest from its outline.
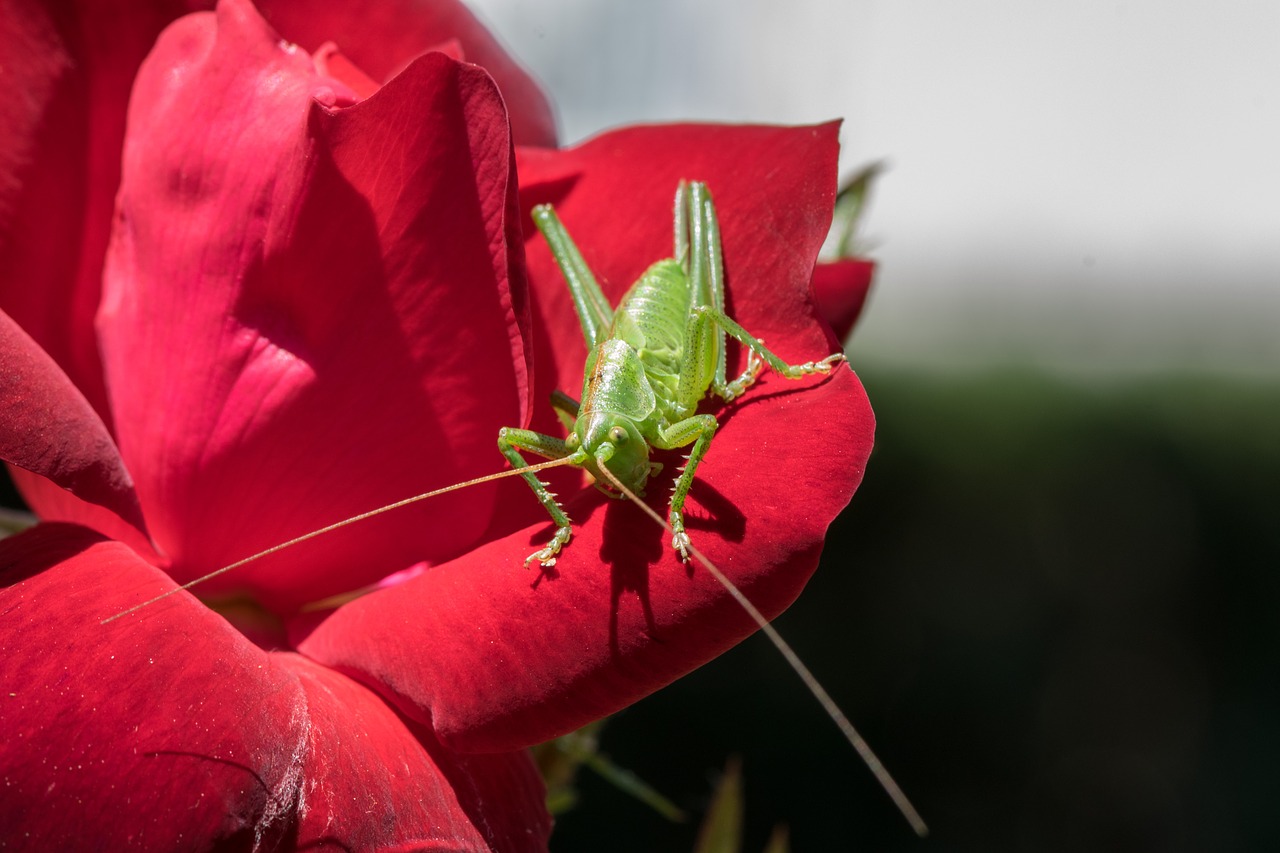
(652, 316)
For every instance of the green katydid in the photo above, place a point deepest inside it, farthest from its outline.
(651, 362)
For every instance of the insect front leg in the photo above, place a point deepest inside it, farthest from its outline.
(698, 430)
(511, 442)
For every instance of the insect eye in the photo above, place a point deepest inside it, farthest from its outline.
(572, 441)
(618, 435)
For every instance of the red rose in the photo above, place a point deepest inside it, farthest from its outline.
(315, 302)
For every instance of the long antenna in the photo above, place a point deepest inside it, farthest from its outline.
(851, 734)
(856, 740)
(340, 524)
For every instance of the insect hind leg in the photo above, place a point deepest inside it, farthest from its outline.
(593, 309)
(758, 353)
(730, 391)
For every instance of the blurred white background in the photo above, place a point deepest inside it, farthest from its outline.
(1089, 186)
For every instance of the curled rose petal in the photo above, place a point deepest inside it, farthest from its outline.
(310, 309)
(47, 427)
(383, 37)
(73, 64)
(496, 656)
(174, 732)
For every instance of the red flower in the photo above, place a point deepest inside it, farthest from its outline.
(174, 732)
(315, 304)
(840, 288)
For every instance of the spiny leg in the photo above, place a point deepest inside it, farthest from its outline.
(593, 309)
(699, 430)
(706, 269)
(696, 214)
(730, 391)
(790, 371)
(511, 442)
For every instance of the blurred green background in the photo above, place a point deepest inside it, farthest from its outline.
(1050, 608)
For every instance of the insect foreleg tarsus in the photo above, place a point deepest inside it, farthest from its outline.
(693, 383)
(510, 443)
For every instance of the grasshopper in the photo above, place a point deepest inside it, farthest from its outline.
(651, 361)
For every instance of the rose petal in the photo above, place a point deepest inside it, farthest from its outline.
(507, 657)
(74, 64)
(68, 67)
(309, 311)
(840, 288)
(168, 730)
(48, 428)
(383, 37)
(50, 502)
(378, 780)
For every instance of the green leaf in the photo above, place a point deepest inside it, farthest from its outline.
(779, 842)
(851, 204)
(722, 828)
(560, 759)
(15, 521)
